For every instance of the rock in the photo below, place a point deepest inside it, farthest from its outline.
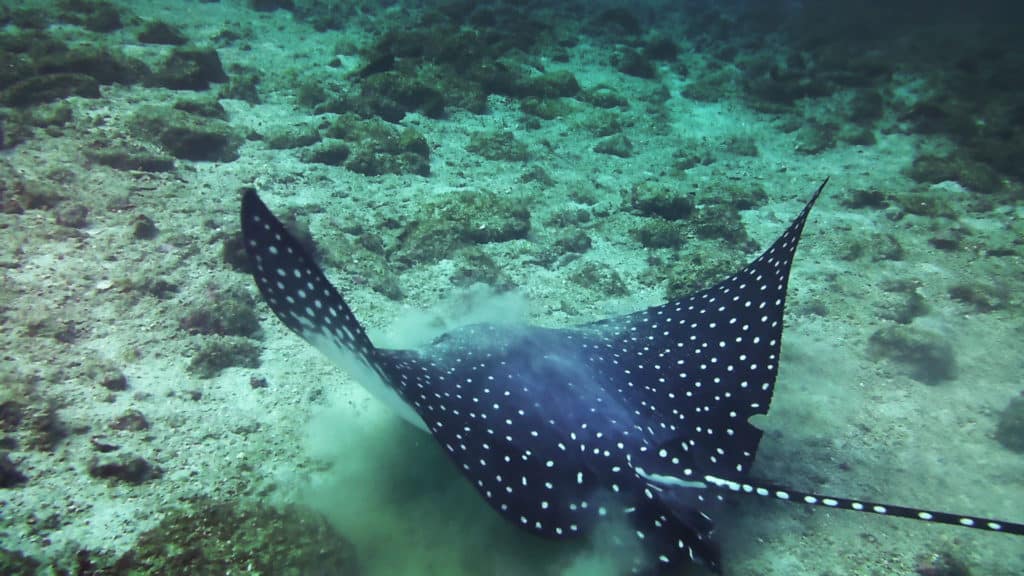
(618, 145)
(129, 156)
(741, 146)
(633, 63)
(49, 87)
(661, 48)
(236, 537)
(559, 84)
(10, 476)
(72, 214)
(189, 68)
(1010, 429)
(659, 233)
(924, 355)
(474, 266)
(293, 136)
(982, 297)
(393, 94)
(187, 136)
(143, 228)
(16, 563)
(158, 32)
(943, 563)
(501, 145)
(271, 5)
(650, 199)
(105, 374)
(380, 148)
(440, 228)
(604, 97)
(600, 278)
(723, 222)
(123, 468)
(573, 241)
(215, 353)
(331, 152)
(228, 312)
(815, 137)
(208, 107)
(857, 198)
(105, 66)
(131, 421)
(11, 414)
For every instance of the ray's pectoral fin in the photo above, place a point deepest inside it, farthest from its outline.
(300, 295)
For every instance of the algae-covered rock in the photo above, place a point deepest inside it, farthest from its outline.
(697, 271)
(928, 204)
(573, 241)
(189, 68)
(976, 176)
(723, 222)
(860, 198)
(187, 136)
(981, 296)
(741, 146)
(49, 87)
(129, 156)
(633, 63)
(392, 94)
(815, 137)
(474, 266)
(10, 475)
(558, 84)
(377, 147)
(229, 312)
(865, 107)
(331, 152)
(216, 353)
(206, 106)
(604, 97)
(652, 199)
(924, 355)
(501, 145)
(932, 169)
(1010, 430)
(617, 145)
(239, 538)
(160, 32)
(598, 277)
(94, 15)
(106, 66)
(292, 136)
(545, 108)
(659, 233)
(661, 48)
(16, 563)
(462, 219)
(127, 468)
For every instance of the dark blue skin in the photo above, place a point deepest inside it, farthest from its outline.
(568, 405)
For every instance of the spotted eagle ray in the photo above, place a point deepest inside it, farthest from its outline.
(644, 415)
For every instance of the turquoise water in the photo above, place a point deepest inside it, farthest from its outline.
(551, 162)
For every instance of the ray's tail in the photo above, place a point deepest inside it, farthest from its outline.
(789, 495)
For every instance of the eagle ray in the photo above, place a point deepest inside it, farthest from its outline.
(646, 414)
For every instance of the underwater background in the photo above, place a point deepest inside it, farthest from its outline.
(554, 162)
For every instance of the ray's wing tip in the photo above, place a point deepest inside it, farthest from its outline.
(814, 197)
(251, 202)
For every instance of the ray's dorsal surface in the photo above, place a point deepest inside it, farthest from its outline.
(643, 416)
